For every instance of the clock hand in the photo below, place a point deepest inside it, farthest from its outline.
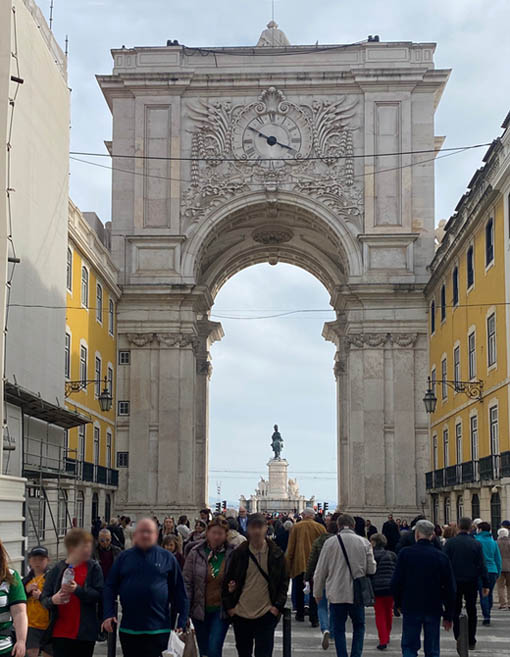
(260, 134)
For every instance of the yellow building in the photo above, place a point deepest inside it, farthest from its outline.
(469, 325)
(90, 362)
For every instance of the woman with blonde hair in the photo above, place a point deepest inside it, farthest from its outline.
(13, 609)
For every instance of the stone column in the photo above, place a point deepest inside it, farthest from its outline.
(208, 333)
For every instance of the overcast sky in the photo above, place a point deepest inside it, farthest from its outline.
(268, 371)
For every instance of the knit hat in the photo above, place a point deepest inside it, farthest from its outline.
(503, 533)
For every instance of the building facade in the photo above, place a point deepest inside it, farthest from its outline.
(90, 363)
(273, 153)
(469, 333)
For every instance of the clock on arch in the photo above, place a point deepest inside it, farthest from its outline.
(272, 132)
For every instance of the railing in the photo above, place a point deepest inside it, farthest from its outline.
(438, 478)
(429, 480)
(88, 471)
(452, 475)
(101, 474)
(469, 472)
(489, 467)
(112, 477)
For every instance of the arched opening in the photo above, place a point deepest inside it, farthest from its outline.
(267, 371)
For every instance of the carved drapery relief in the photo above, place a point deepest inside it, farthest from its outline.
(140, 339)
(377, 340)
(326, 131)
(181, 340)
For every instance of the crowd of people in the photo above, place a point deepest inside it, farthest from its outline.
(234, 569)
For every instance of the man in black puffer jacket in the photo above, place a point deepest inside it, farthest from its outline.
(381, 583)
(408, 539)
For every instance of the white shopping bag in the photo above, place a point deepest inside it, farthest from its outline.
(175, 646)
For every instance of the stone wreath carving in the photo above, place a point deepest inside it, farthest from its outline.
(223, 168)
(178, 340)
(140, 339)
(374, 340)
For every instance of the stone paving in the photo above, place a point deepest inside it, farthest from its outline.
(493, 640)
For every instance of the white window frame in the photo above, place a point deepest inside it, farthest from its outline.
(96, 445)
(458, 442)
(80, 508)
(99, 303)
(84, 365)
(121, 355)
(435, 452)
(97, 375)
(433, 378)
(494, 429)
(446, 448)
(455, 284)
(109, 449)
(433, 318)
(69, 269)
(471, 247)
(443, 306)
(473, 437)
(123, 408)
(456, 364)
(472, 354)
(111, 317)
(444, 377)
(85, 287)
(492, 350)
(67, 353)
(82, 442)
(109, 378)
(490, 263)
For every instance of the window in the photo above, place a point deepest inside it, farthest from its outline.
(495, 513)
(97, 438)
(99, 303)
(473, 426)
(472, 355)
(494, 430)
(447, 510)
(122, 459)
(108, 449)
(491, 340)
(444, 387)
(123, 408)
(460, 507)
(111, 317)
(435, 454)
(108, 506)
(455, 285)
(83, 364)
(433, 379)
(458, 442)
(85, 287)
(475, 506)
(69, 270)
(456, 365)
(97, 377)
(109, 380)
(470, 267)
(489, 242)
(81, 442)
(443, 302)
(432, 317)
(435, 509)
(62, 512)
(95, 506)
(124, 357)
(67, 356)
(79, 510)
(446, 448)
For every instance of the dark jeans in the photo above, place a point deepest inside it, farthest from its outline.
(339, 614)
(211, 633)
(467, 591)
(148, 645)
(259, 631)
(412, 625)
(299, 583)
(72, 647)
(486, 602)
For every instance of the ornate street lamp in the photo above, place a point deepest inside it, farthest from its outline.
(472, 389)
(104, 398)
(430, 399)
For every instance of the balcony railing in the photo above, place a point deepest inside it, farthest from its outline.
(112, 477)
(438, 478)
(101, 474)
(88, 471)
(505, 464)
(490, 467)
(452, 475)
(469, 472)
(429, 480)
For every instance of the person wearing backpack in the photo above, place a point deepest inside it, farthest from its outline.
(386, 561)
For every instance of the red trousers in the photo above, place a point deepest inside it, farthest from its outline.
(384, 617)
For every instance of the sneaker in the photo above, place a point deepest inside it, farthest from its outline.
(382, 646)
(325, 640)
(486, 622)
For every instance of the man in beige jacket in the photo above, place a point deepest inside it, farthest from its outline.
(301, 539)
(332, 573)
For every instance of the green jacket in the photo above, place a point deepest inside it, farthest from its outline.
(314, 555)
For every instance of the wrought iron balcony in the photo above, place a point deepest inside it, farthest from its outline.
(88, 471)
(490, 467)
(505, 464)
(429, 480)
(469, 472)
(112, 477)
(452, 475)
(101, 474)
(438, 478)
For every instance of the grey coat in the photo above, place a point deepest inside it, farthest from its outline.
(195, 577)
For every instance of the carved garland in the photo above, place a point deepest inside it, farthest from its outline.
(181, 340)
(374, 340)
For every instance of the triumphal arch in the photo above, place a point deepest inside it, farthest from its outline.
(318, 156)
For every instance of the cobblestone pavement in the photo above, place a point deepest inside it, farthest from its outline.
(493, 640)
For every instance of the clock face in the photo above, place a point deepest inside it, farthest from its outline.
(270, 139)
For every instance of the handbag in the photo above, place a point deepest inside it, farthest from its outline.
(363, 591)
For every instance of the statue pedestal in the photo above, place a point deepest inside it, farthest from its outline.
(278, 480)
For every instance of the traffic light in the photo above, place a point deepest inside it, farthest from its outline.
(326, 506)
(319, 507)
(218, 507)
(224, 505)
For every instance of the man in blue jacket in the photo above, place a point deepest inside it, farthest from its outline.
(423, 587)
(149, 582)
